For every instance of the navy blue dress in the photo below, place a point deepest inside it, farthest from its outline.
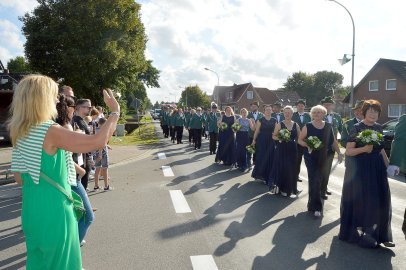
(241, 141)
(315, 161)
(282, 173)
(264, 150)
(226, 148)
(366, 199)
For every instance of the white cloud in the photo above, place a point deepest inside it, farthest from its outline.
(20, 6)
(265, 41)
(12, 42)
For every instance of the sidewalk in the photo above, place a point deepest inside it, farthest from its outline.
(119, 154)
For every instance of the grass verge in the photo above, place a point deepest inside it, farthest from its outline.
(145, 134)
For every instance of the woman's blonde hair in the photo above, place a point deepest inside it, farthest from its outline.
(231, 109)
(243, 109)
(318, 108)
(33, 102)
(290, 108)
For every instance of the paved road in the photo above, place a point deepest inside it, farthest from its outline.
(233, 223)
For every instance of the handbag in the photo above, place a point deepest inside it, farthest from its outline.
(78, 207)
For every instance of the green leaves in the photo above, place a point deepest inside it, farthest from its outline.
(91, 44)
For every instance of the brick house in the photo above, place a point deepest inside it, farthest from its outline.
(240, 96)
(386, 82)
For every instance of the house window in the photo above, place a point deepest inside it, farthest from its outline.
(230, 95)
(373, 85)
(391, 84)
(250, 94)
(396, 110)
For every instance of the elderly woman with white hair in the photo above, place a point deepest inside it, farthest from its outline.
(282, 174)
(315, 158)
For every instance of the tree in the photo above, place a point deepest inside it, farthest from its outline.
(18, 65)
(314, 87)
(193, 96)
(91, 44)
(157, 105)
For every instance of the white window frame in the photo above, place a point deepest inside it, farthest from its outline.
(399, 110)
(391, 89)
(369, 86)
(251, 95)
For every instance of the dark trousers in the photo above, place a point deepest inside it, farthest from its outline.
(300, 151)
(172, 133)
(198, 138)
(325, 174)
(213, 142)
(249, 155)
(404, 224)
(191, 134)
(165, 130)
(179, 133)
(85, 178)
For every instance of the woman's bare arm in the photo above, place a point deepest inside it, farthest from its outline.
(302, 136)
(275, 131)
(257, 128)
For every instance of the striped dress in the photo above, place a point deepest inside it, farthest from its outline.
(48, 221)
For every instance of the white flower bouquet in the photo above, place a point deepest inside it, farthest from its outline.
(236, 127)
(370, 137)
(284, 135)
(250, 148)
(223, 126)
(314, 143)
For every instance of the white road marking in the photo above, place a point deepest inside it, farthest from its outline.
(203, 262)
(167, 171)
(161, 156)
(179, 202)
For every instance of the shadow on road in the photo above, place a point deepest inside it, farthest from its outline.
(257, 218)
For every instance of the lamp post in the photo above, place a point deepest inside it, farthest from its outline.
(181, 87)
(353, 52)
(217, 99)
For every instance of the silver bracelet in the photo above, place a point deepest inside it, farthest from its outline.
(115, 113)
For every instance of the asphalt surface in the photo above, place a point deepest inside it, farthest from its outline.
(233, 220)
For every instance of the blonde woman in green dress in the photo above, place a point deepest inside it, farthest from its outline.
(40, 146)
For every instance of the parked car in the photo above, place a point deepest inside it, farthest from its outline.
(389, 133)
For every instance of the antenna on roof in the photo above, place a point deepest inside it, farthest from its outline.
(1, 66)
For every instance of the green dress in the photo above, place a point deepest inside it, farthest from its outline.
(48, 221)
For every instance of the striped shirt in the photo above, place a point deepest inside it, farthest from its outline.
(27, 153)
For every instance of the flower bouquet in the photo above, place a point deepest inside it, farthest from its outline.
(223, 126)
(370, 137)
(236, 127)
(250, 148)
(314, 143)
(284, 135)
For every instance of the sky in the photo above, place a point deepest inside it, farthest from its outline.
(258, 41)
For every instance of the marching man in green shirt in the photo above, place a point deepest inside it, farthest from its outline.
(212, 128)
(301, 118)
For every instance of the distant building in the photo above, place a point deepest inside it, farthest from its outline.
(240, 96)
(386, 82)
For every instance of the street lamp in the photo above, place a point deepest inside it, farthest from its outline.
(217, 99)
(181, 87)
(353, 52)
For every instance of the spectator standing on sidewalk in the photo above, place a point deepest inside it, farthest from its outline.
(66, 108)
(83, 107)
(48, 221)
(102, 163)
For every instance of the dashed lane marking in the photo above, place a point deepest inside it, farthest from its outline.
(161, 156)
(167, 171)
(179, 202)
(203, 262)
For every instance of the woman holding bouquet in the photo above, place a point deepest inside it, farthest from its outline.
(264, 145)
(366, 200)
(242, 139)
(285, 135)
(318, 137)
(226, 148)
